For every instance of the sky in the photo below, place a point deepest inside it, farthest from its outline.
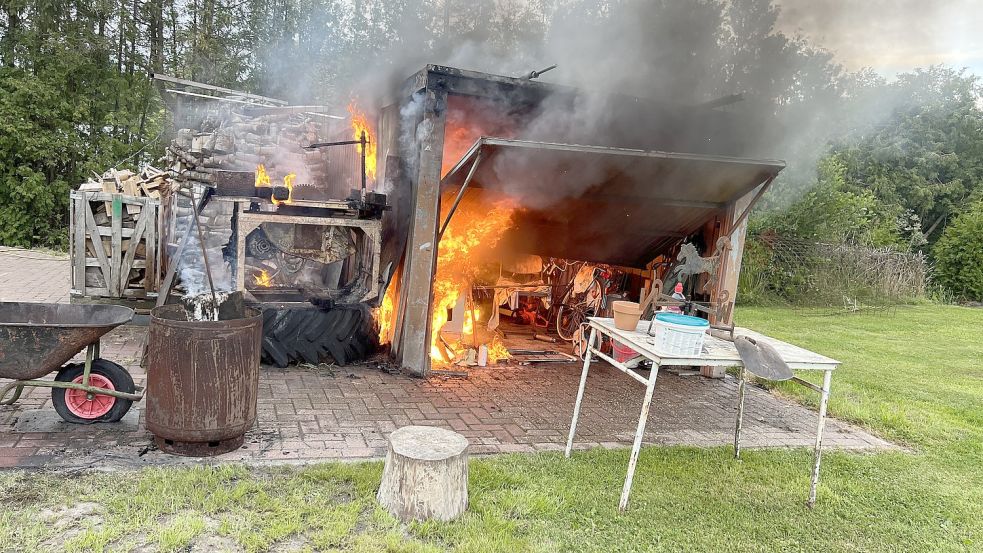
(891, 36)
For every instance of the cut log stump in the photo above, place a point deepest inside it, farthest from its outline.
(426, 474)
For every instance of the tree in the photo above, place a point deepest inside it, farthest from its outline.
(959, 255)
(926, 155)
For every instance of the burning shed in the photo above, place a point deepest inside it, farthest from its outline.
(525, 168)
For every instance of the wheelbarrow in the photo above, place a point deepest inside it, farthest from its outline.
(39, 338)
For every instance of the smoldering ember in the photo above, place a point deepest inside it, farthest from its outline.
(491, 276)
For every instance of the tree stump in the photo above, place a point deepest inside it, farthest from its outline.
(426, 474)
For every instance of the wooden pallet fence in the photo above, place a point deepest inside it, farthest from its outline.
(115, 245)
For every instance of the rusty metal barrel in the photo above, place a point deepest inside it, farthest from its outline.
(202, 380)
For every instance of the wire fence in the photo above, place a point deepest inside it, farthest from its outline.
(840, 276)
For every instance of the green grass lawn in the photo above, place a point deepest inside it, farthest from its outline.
(913, 375)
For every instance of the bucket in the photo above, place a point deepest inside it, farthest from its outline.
(202, 380)
(626, 315)
(680, 335)
(622, 352)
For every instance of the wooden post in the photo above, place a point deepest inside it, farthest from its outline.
(729, 270)
(426, 474)
(730, 264)
(421, 251)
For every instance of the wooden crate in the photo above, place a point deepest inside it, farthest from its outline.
(119, 258)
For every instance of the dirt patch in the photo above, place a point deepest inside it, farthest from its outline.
(70, 521)
(208, 543)
(290, 545)
(21, 496)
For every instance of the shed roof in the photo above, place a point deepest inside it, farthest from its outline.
(611, 205)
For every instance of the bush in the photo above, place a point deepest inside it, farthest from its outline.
(959, 255)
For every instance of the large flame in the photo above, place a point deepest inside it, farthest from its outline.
(458, 138)
(473, 231)
(386, 314)
(360, 124)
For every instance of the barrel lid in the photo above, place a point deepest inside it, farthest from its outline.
(683, 320)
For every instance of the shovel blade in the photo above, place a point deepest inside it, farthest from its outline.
(762, 359)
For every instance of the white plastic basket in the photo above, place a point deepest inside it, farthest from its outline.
(682, 340)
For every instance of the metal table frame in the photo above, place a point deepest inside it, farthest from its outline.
(716, 352)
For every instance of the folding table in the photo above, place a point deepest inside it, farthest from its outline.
(716, 352)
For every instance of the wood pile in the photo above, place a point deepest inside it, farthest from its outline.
(149, 182)
(114, 232)
(241, 142)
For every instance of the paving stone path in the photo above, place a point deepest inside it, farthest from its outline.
(331, 413)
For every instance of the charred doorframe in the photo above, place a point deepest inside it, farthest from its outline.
(411, 343)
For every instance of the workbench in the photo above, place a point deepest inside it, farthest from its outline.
(717, 351)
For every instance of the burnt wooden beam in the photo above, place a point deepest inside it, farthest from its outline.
(416, 291)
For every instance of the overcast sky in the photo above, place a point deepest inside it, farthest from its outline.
(891, 36)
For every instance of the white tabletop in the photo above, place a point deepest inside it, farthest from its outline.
(716, 351)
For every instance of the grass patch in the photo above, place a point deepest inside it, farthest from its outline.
(913, 375)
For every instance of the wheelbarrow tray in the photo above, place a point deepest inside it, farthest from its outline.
(38, 338)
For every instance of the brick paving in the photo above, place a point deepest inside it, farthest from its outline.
(331, 413)
(28, 275)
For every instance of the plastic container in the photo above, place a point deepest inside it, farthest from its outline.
(680, 335)
(621, 352)
(626, 315)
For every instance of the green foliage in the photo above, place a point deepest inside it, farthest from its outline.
(926, 158)
(959, 255)
(830, 212)
(835, 246)
(72, 100)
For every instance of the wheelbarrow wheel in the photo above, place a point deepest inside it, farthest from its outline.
(78, 407)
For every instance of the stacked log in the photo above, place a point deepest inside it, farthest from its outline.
(117, 258)
(240, 142)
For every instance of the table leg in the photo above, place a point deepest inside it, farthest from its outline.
(642, 419)
(580, 392)
(818, 453)
(739, 424)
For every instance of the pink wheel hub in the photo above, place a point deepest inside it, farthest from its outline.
(82, 405)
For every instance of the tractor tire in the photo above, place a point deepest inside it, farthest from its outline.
(343, 335)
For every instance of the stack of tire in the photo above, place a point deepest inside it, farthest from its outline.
(343, 334)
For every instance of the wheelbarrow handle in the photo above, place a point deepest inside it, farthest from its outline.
(19, 385)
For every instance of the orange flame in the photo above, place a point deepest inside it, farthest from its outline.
(473, 231)
(263, 279)
(386, 313)
(360, 124)
(262, 177)
(288, 182)
(470, 318)
(497, 351)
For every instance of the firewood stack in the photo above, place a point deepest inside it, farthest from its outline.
(150, 182)
(241, 143)
(113, 258)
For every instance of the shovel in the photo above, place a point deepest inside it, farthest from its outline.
(762, 359)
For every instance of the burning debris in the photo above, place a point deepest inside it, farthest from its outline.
(465, 246)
